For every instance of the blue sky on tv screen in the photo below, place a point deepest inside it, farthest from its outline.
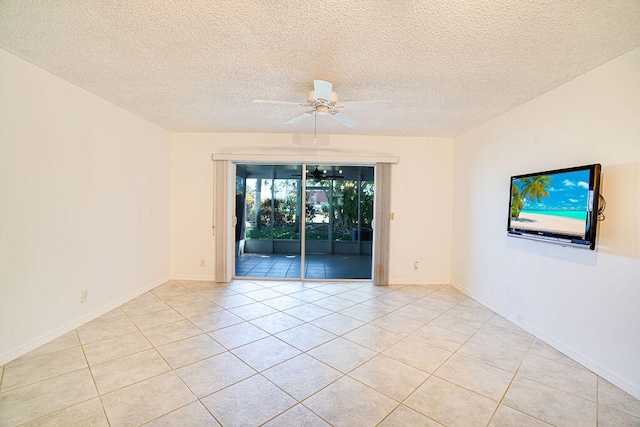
(568, 191)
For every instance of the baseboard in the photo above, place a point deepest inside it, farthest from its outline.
(203, 277)
(602, 371)
(593, 366)
(419, 282)
(476, 297)
(30, 345)
(211, 277)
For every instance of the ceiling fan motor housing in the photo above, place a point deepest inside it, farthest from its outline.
(313, 101)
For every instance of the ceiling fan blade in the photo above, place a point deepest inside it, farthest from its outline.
(299, 117)
(322, 89)
(345, 120)
(365, 105)
(267, 101)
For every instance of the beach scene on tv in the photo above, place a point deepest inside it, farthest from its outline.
(554, 203)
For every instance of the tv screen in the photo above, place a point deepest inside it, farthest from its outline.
(559, 206)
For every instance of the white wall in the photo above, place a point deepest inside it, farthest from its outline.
(420, 196)
(84, 204)
(585, 303)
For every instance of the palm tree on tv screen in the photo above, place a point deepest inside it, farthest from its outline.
(517, 204)
(535, 188)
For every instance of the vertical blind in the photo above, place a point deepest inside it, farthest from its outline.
(381, 226)
(221, 221)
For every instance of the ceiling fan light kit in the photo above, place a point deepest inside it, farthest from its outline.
(313, 99)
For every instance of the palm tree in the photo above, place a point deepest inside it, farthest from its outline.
(535, 187)
(516, 202)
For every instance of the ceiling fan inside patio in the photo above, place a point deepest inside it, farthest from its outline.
(323, 101)
(320, 174)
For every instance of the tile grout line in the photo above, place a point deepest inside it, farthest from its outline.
(597, 398)
(379, 353)
(130, 317)
(60, 410)
(227, 350)
(153, 346)
(93, 379)
(343, 374)
(416, 297)
(433, 375)
(562, 390)
(513, 377)
(257, 373)
(15, 388)
(172, 370)
(526, 352)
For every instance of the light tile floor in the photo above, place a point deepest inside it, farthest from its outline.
(290, 354)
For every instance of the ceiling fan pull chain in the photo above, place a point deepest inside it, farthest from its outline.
(315, 127)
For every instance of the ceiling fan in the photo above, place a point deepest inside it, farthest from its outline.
(320, 174)
(322, 101)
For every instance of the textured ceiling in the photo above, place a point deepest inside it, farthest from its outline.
(195, 66)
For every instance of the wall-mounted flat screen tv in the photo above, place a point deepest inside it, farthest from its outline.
(559, 206)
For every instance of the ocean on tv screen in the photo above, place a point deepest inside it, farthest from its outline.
(564, 192)
(555, 203)
(581, 215)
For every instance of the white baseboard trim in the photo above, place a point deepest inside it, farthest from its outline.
(203, 277)
(30, 345)
(471, 294)
(595, 367)
(396, 282)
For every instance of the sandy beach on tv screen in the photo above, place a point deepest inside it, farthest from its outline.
(550, 223)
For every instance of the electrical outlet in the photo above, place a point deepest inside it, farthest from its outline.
(202, 263)
(84, 296)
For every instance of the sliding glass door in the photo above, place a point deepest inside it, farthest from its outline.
(268, 221)
(320, 220)
(339, 212)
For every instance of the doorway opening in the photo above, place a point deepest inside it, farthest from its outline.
(314, 225)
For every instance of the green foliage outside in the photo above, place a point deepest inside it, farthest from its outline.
(286, 233)
(285, 223)
(284, 210)
(346, 209)
(281, 233)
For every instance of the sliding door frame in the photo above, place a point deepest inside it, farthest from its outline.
(303, 222)
(380, 255)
